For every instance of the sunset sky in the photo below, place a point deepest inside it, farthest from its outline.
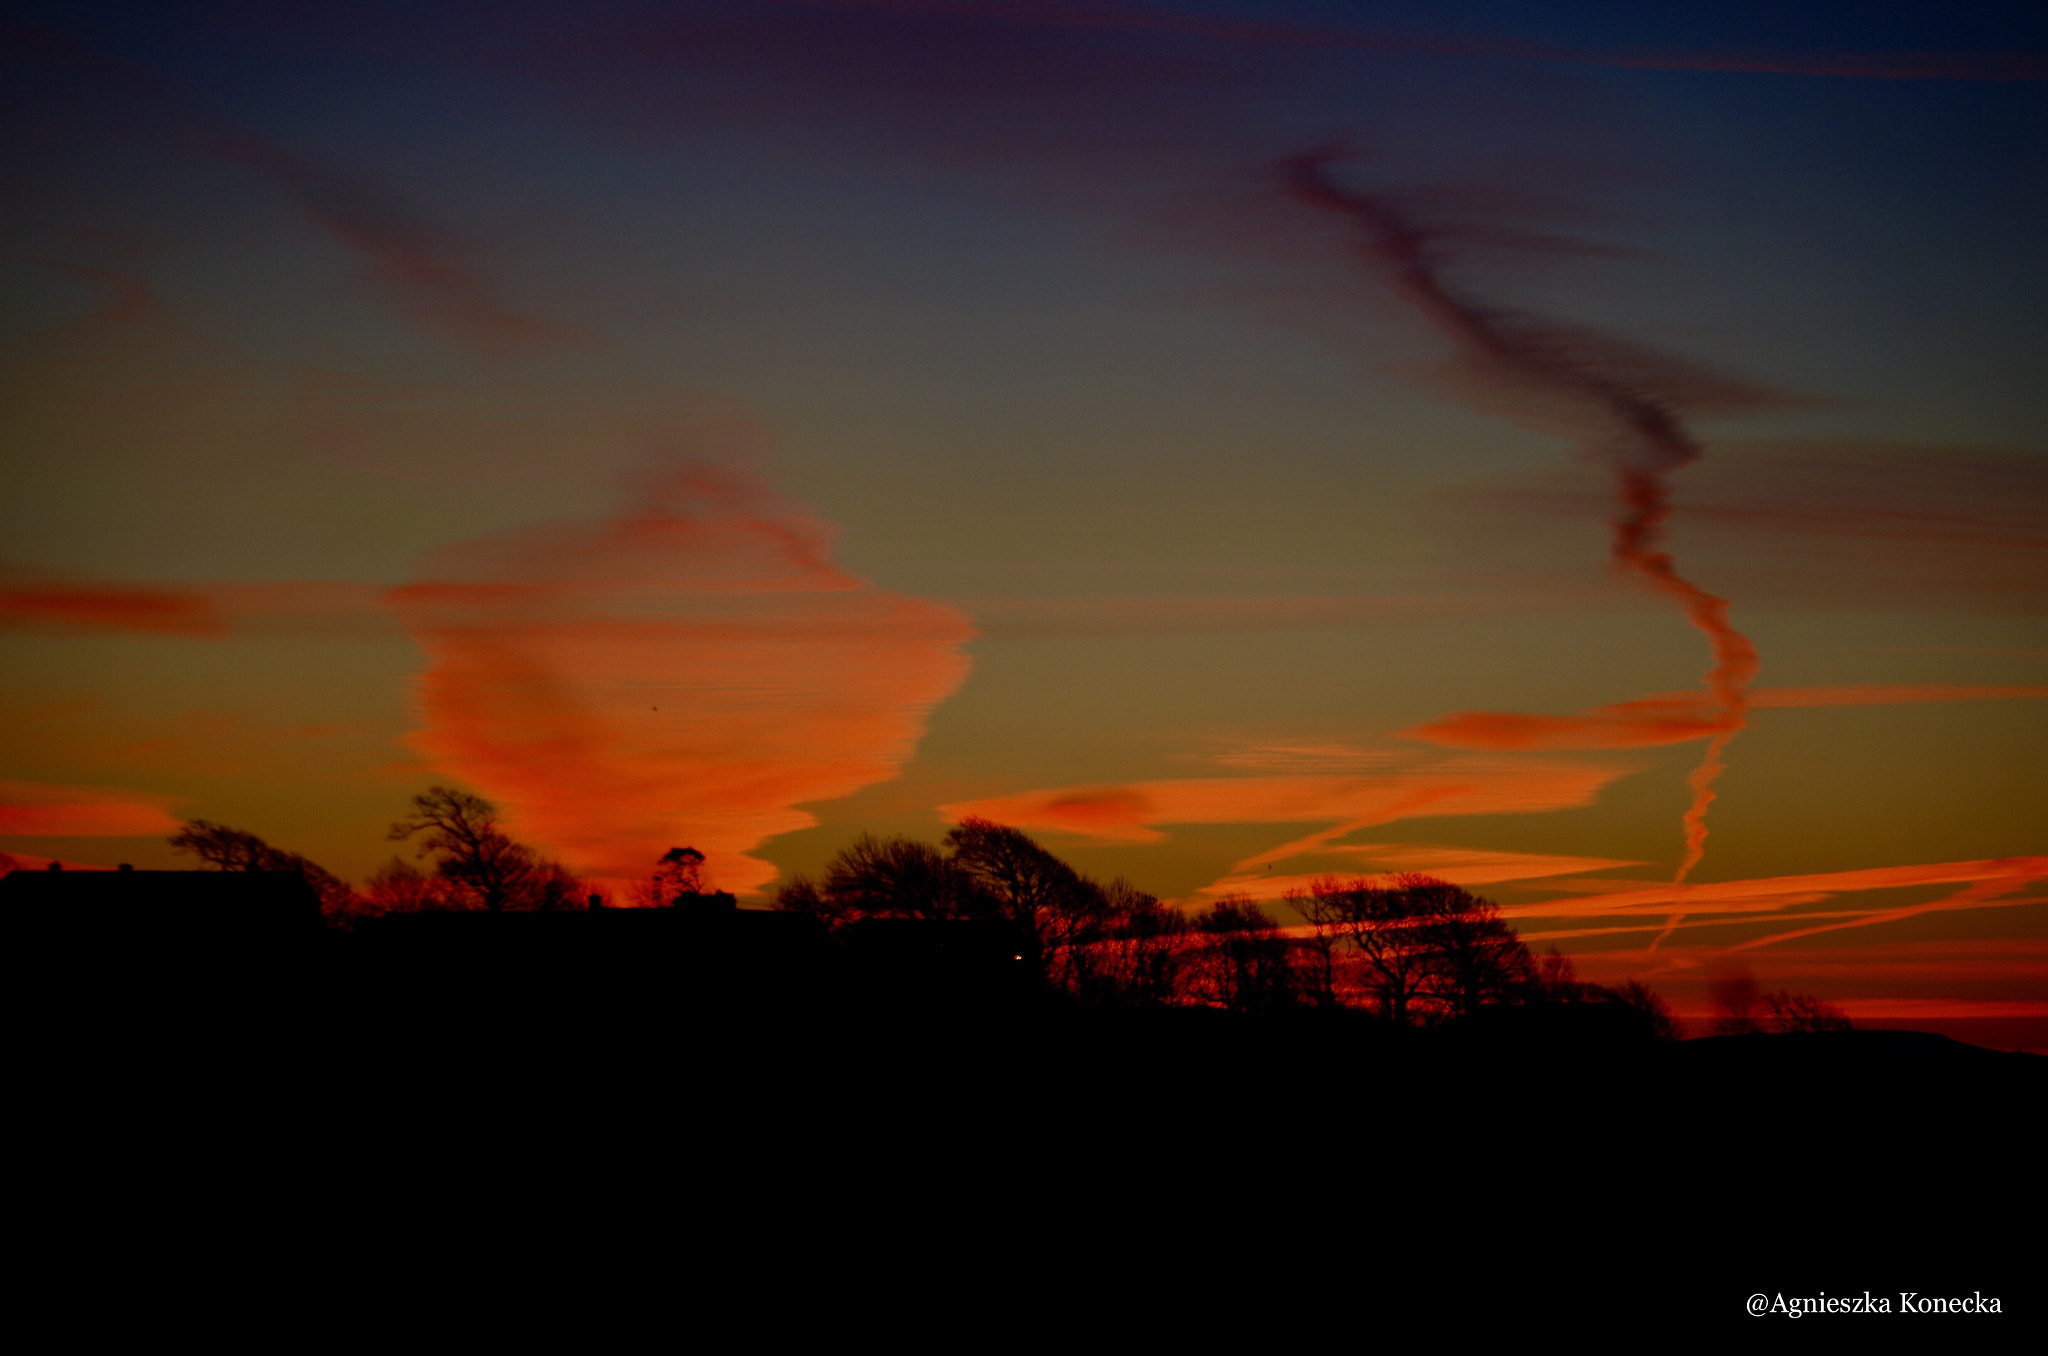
(1597, 454)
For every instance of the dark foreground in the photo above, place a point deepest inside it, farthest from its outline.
(814, 1128)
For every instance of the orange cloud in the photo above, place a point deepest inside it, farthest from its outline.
(688, 672)
(1460, 866)
(1772, 894)
(1131, 813)
(1676, 717)
(43, 603)
(67, 606)
(52, 810)
(1669, 719)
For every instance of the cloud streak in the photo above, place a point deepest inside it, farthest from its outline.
(69, 607)
(1623, 408)
(1774, 894)
(1822, 523)
(1460, 866)
(1135, 812)
(1678, 717)
(55, 810)
(408, 254)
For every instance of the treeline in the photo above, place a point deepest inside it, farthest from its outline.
(1412, 950)
(470, 863)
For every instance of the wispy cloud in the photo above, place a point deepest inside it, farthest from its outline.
(44, 602)
(421, 263)
(1772, 894)
(1676, 717)
(1460, 866)
(52, 605)
(1818, 523)
(55, 810)
(1135, 812)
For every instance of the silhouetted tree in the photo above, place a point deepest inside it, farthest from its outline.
(1555, 979)
(1063, 909)
(800, 894)
(678, 880)
(1790, 1012)
(1472, 957)
(1425, 947)
(1244, 964)
(1326, 909)
(1664, 1024)
(483, 867)
(400, 887)
(1380, 923)
(902, 878)
(1735, 1007)
(226, 849)
(1141, 958)
(1111, 944)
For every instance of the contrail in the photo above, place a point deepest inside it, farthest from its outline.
(1620, 426)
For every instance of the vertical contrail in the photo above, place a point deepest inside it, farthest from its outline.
(1622, 427)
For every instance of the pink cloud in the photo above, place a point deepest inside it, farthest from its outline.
(687, 672)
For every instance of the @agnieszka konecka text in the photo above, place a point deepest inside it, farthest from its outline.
(1910, 1302)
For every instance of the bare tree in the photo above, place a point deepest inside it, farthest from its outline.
(1473, 957)
(1244, 963)
(1426, 947)
(482, 866)
(1379, 922)
(903, 878)
(400, 887)
(226, 849)
(1060, 907)
(1142, 956)
(1326, 909)
(1735, 1006)
(1664, 1024)
(1790, 1012)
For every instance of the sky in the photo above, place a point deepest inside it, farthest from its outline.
(1598, 455)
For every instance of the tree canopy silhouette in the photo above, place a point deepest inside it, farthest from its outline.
(482, 866)
(1424, 947)
(226, 849)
